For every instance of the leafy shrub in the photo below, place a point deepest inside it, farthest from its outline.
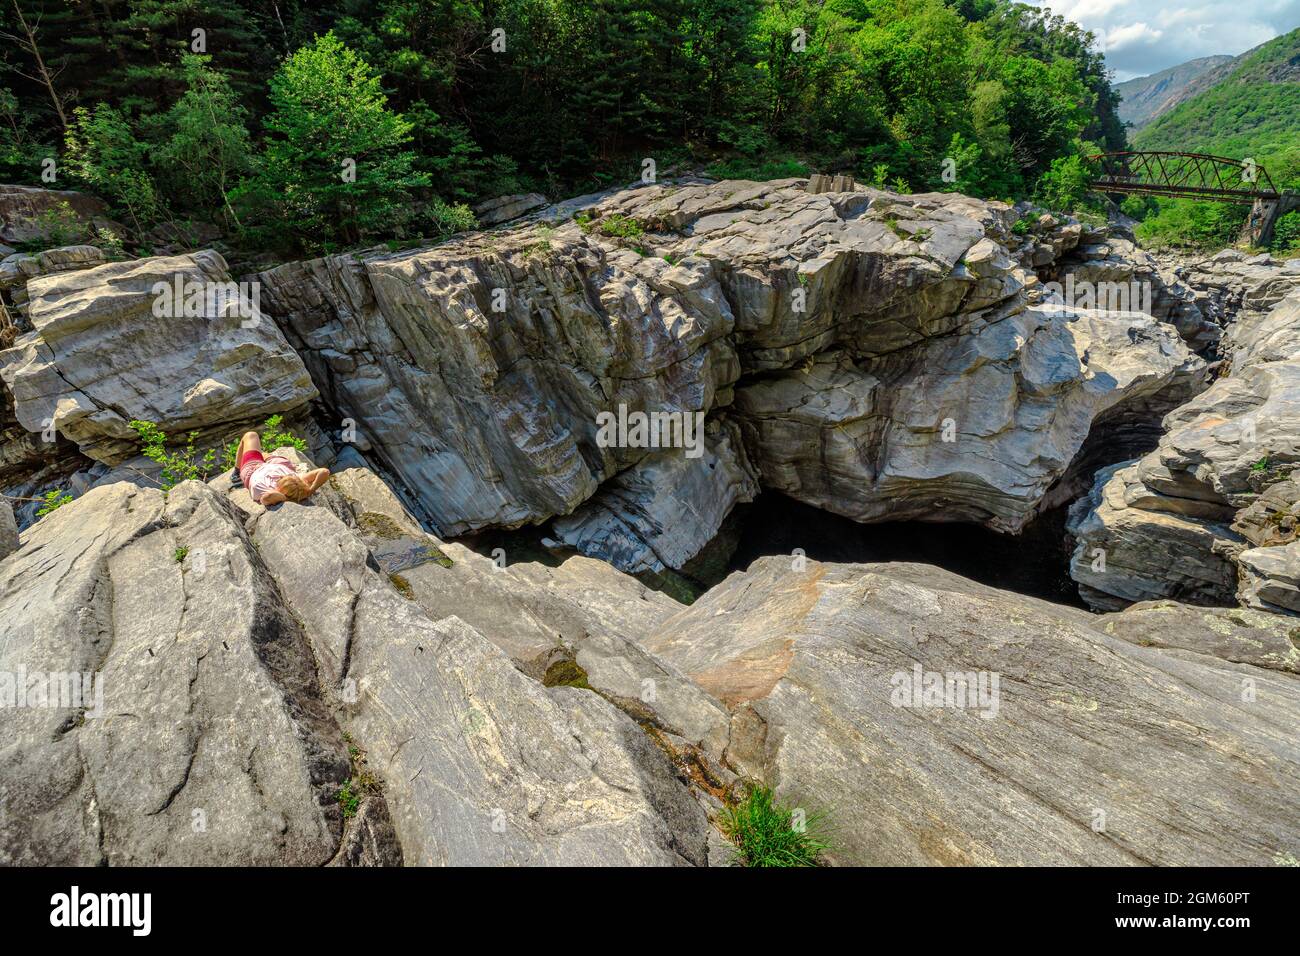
(759, 168)
(619, 226)
(448, 219)
(52, 501)
(1286, 233)
(186, 463)
(179, 464)
(767, 833)
(273, 435)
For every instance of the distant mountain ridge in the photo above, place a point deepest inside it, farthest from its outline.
(1251, 107)
(1146, 98)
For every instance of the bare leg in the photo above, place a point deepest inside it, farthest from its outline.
(250, 442)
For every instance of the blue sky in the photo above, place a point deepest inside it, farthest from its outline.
(1141, 37)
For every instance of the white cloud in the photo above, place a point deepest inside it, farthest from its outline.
(1140, 37)
(1131, 35)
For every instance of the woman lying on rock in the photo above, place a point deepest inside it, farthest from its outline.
(273, 480)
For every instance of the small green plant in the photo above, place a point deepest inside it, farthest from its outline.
(109, 241)
(360, 782)
(349, 798)
(178, 464)
(767, 833)
(1021, 226)
(448, 218)
(880, 176)
(59, 225)
(179, 554)
(273, 435)
(619, 226)
(1259, 467)
(52, 501)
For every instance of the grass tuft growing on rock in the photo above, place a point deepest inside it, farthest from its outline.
(768, 833)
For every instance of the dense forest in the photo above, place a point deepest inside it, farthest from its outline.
(321, 125)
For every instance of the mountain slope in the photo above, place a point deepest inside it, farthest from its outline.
(1147, 98)
(1254, 110)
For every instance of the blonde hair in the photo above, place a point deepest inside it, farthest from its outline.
(293, 487)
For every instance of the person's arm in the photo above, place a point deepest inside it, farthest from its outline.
(316, 478)
(272, 498)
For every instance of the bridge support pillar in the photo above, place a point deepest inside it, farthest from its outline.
(1264, 214)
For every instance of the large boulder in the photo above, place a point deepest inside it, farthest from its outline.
(661, 512)
(1233, 634)
(205, 740)
(576, 621)
(261, 676)
(100, 354)
(1035, 737)
(30, 214)
(481, 764)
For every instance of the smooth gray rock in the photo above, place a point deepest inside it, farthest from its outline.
(546, 618)
(1233, 634)
(1270, 578)
(481, 764)
(213, 745)
(504, 208)
(1172, 522)
(252, 661)
(1099, 751)
(975, 427)
(99, 357)
(663, 510)
(1130, 548)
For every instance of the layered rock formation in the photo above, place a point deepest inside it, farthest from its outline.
(33, 214)
(249, 676)
(338, 683)
(477, 371)
(101, 353)
(268, 692)
(1163, 526)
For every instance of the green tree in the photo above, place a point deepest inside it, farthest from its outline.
(335, 161)
(102, 151)
(207, 149)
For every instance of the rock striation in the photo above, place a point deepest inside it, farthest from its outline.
(99, 354)
(1180, 521)
(476, 371)
(1091, 749)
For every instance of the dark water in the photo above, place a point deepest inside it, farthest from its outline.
(1035, 562)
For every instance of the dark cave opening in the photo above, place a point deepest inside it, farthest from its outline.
(1035, 562)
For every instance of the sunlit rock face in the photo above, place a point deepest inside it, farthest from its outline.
(879, 354)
